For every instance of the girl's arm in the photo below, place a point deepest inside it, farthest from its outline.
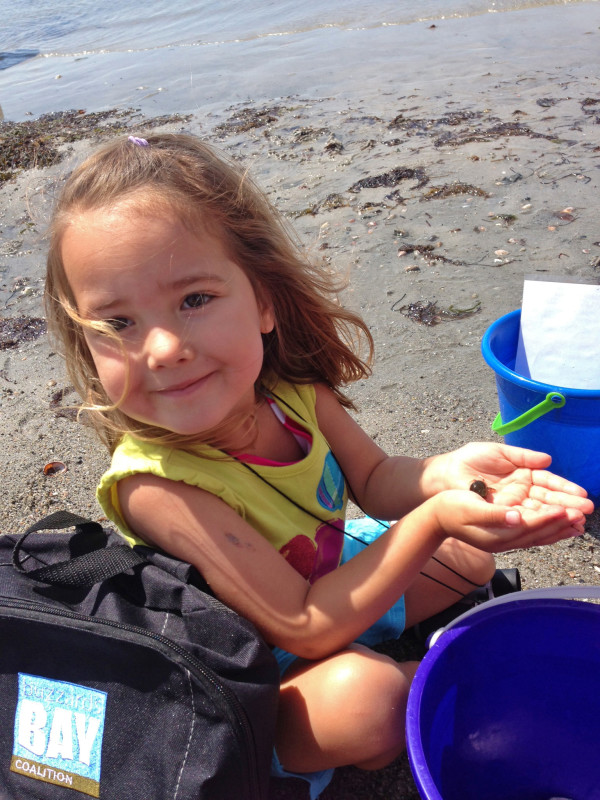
(387, 487)
(384, 487)
(250, 576)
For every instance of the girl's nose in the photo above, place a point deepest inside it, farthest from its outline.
(166, 348)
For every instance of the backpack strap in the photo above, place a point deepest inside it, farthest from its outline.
(84, 570)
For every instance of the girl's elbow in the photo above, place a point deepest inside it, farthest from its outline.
(304, 628)
(312, 650)
(307, 642)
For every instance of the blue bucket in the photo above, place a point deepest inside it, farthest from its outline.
(505, 705)
(562, 422)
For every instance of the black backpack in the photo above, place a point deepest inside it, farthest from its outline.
(122, 678)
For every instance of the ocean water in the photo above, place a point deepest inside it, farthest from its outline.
(189, 56)
(77, 27)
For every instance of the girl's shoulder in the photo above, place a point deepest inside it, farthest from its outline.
(296, 397)
(135, 457)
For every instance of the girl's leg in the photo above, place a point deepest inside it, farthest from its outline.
(441, 588)
(426, 597)
(346, 709)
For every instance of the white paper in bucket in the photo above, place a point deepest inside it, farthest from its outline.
(560, 333)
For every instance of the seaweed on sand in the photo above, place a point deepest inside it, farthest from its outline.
(427, 312)
(331, 202)
(247, 119)
(452, 119)
(426, 251)
(40, 142)
(453, 189)
(392, 178)
(14, 330)
(496, 131)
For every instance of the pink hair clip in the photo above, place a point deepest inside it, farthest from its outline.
(137, 140)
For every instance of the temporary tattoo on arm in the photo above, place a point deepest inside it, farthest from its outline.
(237, 542)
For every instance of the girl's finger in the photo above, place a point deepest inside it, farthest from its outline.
(499, 517)
(532, 503)
(549, 480)
(537, 513)
(549, 513)
(559, 536)
(543, 538)
(521, 457)
(558, 497)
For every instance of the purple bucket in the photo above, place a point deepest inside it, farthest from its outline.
(505, 705)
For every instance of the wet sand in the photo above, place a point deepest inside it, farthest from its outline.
(440, 204)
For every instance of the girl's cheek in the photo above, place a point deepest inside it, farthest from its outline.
(112, 368)
(113, 380)
(105, 348)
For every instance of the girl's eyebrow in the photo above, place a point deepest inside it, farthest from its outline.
(189, 280)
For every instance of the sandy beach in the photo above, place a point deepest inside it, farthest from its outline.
(434, 206)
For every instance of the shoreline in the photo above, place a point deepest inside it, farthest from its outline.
(377, 57)
(440, 201)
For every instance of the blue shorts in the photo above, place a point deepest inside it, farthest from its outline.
(390, 626)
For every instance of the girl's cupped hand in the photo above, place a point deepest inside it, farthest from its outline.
(497, 527)
(515, 477)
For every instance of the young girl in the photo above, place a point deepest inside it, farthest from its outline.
(212, 359)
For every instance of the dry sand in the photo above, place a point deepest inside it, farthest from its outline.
(476, 195)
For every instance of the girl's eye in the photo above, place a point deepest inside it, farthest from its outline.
(197, 300)
(118, 323)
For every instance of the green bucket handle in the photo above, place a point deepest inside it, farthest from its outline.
(553, 400)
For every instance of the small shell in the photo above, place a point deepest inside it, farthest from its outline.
(480, 488)
(54, 468)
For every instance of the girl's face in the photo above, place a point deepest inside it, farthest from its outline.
(186, 316)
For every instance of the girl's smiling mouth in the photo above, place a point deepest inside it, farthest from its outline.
(183, 388)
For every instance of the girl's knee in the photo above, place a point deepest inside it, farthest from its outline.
(349, 709)
(382, 713)
(476, 565)
(483, 566)
(365, 673)
(372, 694)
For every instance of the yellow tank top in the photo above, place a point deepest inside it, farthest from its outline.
(299, 507)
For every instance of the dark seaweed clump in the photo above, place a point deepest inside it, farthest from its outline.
(249, 118)
(40, 142)
(15, 330)
(475, 127)
(452, 119)
(427, 251)
(489, 134)
(392, 178)
(429, 313)
(452, 190)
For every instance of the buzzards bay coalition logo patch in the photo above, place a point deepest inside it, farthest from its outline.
(58, 733)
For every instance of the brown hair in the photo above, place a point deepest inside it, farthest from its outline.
(314, 339)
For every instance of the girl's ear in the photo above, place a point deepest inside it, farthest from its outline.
(266, 310)
(267, 317)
